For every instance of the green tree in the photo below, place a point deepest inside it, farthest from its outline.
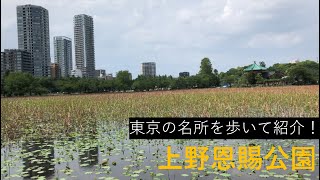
(108, 85)
(204, 81)
(180, 83)
(123, 80)
(205, 67)
(243, 80)
(312, 67)
(18, 84)
(194, 81)
(141, 83)
(216, 72)
(251, 78)
(231, 79)
(280, 70)
(259, 78)
(46, 83)
(206, 76)
(301, 75)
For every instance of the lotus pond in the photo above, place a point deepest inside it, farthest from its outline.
(86, 136)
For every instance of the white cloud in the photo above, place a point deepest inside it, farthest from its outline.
(127, 30)
(273, 40)
(185, 15)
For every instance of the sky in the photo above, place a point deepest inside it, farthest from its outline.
(178, 34)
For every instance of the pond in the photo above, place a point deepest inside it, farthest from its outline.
(109, 154)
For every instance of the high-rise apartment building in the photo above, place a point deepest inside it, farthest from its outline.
(84, 44)
(33, 36)
(148, 69)
(16, 60)
(63, 54)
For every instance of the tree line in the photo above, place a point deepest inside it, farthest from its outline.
(299, 73)
(21, 84)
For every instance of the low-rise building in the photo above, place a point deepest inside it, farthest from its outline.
(76, 73)
(100, 73)
(184, 74)
(16, 60)
(109, 76)
(55, 71)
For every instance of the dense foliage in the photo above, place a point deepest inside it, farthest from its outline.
(19, 84)
(305, 72)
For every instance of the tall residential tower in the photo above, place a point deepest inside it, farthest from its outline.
(63, 54)
(148, 69)
(33, 36)
(84, 44)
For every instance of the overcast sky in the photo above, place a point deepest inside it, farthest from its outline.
(177, 34)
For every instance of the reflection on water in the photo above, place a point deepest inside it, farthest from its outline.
(38, 160)
(110, 153)
(88, 154)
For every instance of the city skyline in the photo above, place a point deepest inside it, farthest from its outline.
(177, 36)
